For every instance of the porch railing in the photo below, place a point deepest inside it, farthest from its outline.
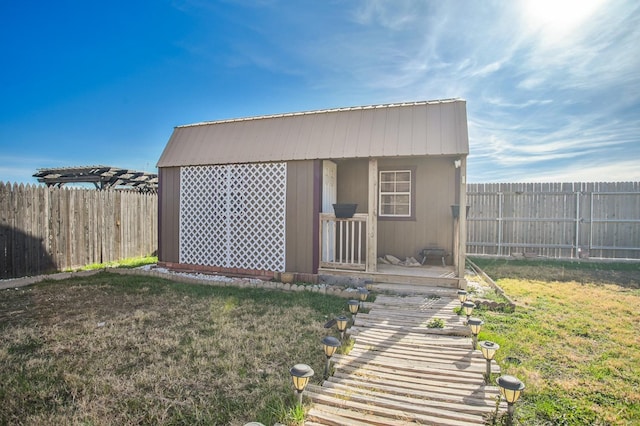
(343, 242)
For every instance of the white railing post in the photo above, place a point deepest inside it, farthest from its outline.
(340, 237)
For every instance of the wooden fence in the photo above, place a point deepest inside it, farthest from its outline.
(45, 229)
(562, 220)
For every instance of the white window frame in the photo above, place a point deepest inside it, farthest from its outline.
(395, 193)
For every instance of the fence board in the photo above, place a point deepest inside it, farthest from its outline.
(562, 220)
(44, 229)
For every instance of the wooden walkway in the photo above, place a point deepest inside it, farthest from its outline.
(401, 372)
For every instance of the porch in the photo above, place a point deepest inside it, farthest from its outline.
(345, 250)
(399, 276)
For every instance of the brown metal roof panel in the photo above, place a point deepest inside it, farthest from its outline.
(254, 141)
(168, 156)
(433, 129)
(178, 149)
(448, 131)
(419, 130)
(463, 131)
(406, 126)
(391, 142)
(353, 121)
(363, 143)
(197, 142)
(293, 146)
(202, 143)
(379, 124)
(318, 132)
(336, 145)
(423, 128)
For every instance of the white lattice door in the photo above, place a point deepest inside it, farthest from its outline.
(233, 216)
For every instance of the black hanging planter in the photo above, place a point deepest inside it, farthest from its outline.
(455, 211)
(344, 211)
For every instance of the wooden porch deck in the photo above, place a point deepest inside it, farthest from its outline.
(401, 372)
(426, 275)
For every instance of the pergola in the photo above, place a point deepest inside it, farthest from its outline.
(103, 177)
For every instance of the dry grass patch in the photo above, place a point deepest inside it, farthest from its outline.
(578, 346)
(111, 349)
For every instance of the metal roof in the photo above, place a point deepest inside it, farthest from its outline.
(390, 130)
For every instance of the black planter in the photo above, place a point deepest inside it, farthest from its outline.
(455, 211)
(344, 211)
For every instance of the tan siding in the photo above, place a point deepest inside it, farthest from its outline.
(353, 178)
(416, 129)
(302, 211)
(433, 225)
(169, 214)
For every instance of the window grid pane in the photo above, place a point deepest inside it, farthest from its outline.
(395, 193)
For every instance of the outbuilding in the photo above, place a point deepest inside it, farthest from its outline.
(255, 196)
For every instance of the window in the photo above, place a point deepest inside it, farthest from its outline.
(395, 193)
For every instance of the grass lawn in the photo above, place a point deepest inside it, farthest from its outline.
(112, 349)
(575, 337)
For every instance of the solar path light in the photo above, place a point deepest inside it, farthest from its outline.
(341, 323)
(462, 296)
(475, 324)
(489, 350)
(300, 373)
(354, 305)
(467, 308)
(330, 345)
(362, 294)
(510, 389)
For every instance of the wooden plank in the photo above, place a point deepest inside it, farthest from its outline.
(460, 331)
(408, 342)
(431, 339)
(409, 369)
(336, 417)
(462, 366)
(417, 354)
(387, 376)
(381, 407)
(415, 319)
(423, 399)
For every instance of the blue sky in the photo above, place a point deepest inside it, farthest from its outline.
(552, 87)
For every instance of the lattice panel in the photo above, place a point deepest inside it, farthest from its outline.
(233, 216)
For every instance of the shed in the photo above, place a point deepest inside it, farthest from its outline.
(254, 195)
